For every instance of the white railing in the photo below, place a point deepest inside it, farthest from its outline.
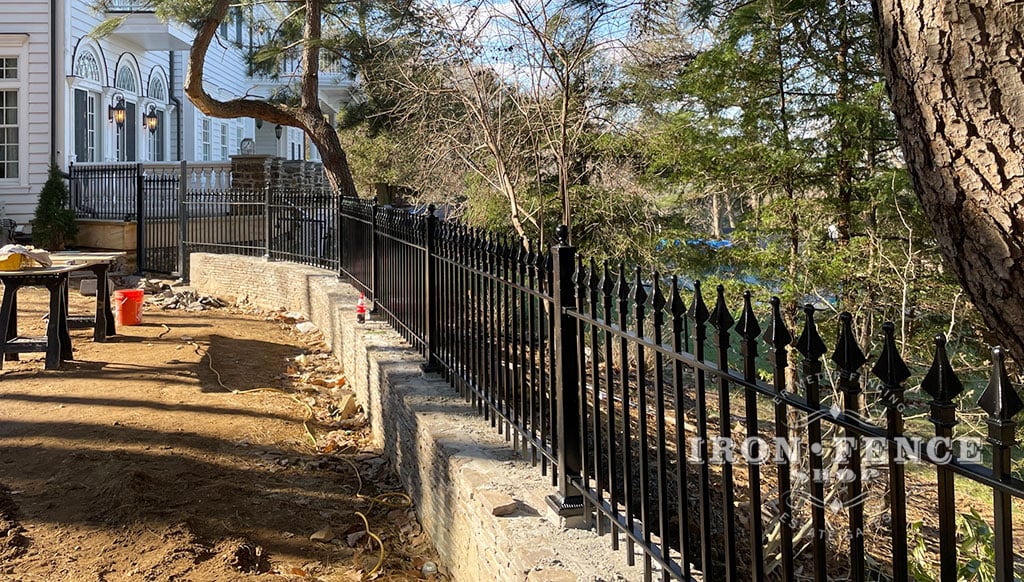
(198, 175)
(291, 66)
(128, 6)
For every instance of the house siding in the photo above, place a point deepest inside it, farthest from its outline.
(31, 18)
(45, 134)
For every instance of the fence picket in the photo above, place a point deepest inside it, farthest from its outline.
(943, 385)
(812, 347)
(778, 338)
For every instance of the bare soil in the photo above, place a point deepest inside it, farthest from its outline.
(183, 449)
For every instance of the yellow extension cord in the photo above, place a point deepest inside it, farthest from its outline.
(382, 499)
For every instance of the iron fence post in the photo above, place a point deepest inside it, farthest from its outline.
(1002, 403)
(183, 263)
(266, 222)
(849, 358)
(811, 348)
(374, 286)
(778, 337)
(140, 222)
(429, 293)
(338, 222)
(72, 187)
(568, 502)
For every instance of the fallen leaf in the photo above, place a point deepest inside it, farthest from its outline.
(352, 539)
(322, 535)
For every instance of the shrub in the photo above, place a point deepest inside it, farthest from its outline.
(54, 224)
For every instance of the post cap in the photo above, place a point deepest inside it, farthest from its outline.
(562, 234)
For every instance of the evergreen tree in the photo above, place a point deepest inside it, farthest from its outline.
(54, 225)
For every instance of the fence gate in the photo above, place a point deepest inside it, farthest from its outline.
(159, 230)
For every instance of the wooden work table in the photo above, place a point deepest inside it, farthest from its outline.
(102, 321)
(57, 342)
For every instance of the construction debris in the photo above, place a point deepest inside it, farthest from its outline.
(185, 299)
(153, 286)
(306, 327)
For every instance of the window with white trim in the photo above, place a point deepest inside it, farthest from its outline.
(206, 140)
(157, 140)
(128, 135)
(86, 106)
(86, 111)
(10, 131)
(224, 141)
(126, 80)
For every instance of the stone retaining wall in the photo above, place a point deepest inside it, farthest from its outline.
(456, 467)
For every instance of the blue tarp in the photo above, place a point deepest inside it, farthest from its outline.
(713, 244)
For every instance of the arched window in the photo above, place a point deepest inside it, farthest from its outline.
(126, 80)
(88, 67)
(157, 89)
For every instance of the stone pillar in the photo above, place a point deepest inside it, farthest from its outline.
(274, 173)
(293, 175)
(251, 172)
(319, 181)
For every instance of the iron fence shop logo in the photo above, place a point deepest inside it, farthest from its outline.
(833, 456)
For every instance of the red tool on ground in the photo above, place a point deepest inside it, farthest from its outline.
(361, 309)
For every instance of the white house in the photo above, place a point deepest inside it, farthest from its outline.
(70, 97)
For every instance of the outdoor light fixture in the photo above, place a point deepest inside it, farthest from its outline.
(259, 123)
(278, 130)
(115, 112)
(150, 120)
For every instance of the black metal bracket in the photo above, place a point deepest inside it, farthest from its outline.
(571, 506)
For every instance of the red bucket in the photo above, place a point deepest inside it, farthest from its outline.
(128, 306)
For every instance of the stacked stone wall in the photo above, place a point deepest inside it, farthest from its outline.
(458, 469)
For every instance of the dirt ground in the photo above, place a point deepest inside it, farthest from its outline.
(182, 449)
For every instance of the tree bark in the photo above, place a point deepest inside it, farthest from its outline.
(953, 71)
(308, 116)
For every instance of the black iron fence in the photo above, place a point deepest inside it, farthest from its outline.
(114, 191)
(157, 225)
(302, 227)
(105, 191)
(684, 431)
(292, 225)
(178, 208)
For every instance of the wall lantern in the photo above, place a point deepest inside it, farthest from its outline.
(259, 123)
(150, 120)
(115, 112)
(277, 131)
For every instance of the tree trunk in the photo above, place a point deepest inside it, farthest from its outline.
(954, 76)
(844, 169)
(308, 116)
